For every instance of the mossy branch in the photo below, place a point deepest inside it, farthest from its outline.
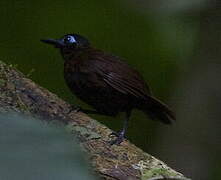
(126, 161)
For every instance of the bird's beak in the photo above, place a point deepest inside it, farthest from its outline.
(56, 42)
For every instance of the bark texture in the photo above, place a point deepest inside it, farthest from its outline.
(126, 161)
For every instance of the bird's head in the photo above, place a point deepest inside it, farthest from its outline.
(71, 45)
(69, 41)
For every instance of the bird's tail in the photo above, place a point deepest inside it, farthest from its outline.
(157, 110)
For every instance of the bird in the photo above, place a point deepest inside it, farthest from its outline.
(107, 83)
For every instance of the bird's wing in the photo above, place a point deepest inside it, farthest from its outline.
(120, 76)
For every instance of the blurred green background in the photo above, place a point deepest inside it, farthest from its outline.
(174, 44)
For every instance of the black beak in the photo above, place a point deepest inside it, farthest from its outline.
(56, 42)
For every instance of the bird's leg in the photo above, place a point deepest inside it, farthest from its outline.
(120, 135)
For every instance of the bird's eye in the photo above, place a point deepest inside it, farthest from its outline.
(69, 40)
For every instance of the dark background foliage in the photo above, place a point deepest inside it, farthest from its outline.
(174, 44)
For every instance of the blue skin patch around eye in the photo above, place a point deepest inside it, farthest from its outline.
(71, 39)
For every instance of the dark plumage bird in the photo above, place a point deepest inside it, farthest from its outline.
(106, 82)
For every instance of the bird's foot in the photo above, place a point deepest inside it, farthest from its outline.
(120, 137)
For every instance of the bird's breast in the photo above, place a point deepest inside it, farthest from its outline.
(77, 79)
(73, 76)
(87, 85)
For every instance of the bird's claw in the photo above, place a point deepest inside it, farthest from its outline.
(114, 134)
(119, 139)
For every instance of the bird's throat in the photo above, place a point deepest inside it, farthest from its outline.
(72, 54)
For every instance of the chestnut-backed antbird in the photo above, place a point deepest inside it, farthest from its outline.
(106, 82)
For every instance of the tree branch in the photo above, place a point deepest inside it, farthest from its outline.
(125, 161)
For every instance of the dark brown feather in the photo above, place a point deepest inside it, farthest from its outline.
(111, 86)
